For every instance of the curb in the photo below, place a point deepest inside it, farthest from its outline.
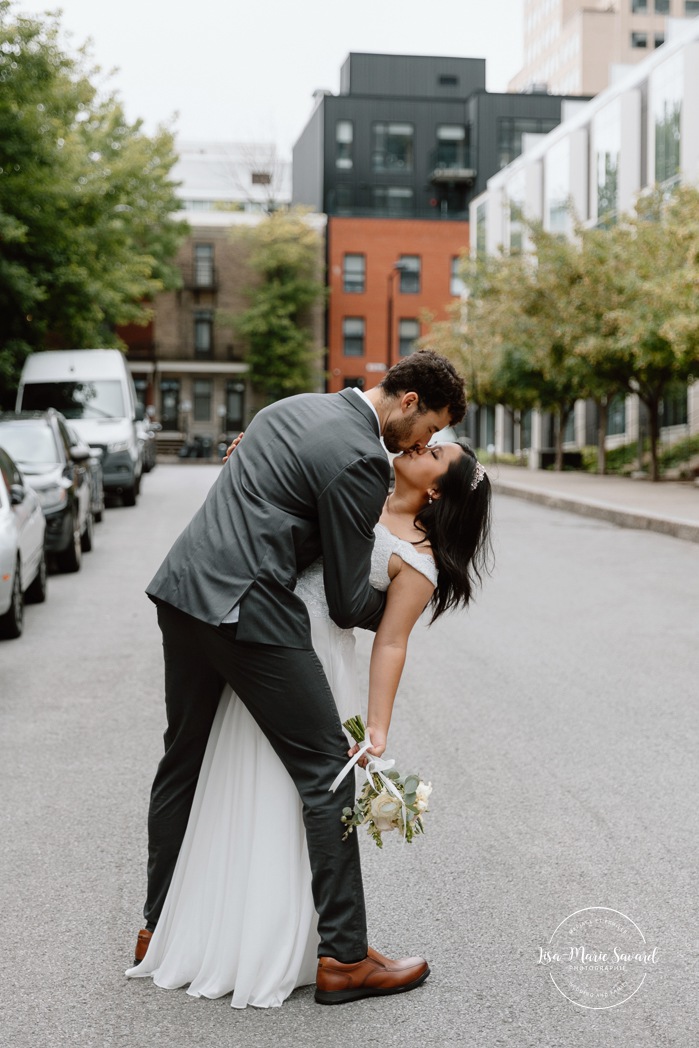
(624, 518)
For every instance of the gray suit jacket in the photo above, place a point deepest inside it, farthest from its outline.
(309, 479)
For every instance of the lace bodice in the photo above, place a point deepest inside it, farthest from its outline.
(310, 582)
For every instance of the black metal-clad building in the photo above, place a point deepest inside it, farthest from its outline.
(411, 137)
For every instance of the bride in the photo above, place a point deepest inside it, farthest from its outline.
(239, 913)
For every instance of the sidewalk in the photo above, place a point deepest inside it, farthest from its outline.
(669, 507)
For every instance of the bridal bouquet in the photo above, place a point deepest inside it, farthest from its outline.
(388, 800)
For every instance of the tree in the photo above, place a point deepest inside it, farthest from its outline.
(86, 227)
(522, 325)
(284, 255)
(646, 275)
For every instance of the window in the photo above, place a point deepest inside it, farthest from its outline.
(516, 193)
(140, 384)
(353, 274)
(203, 265)
(448, 80)
(393, 200)
(557, 188)
(408, 332)
(510, 131)
(203, 332)
(691, 7)
(409, 274)
(392, 147)
(344, 198)
(639, 40)
(674, 404)
(639, 7)
(353, 336)
(202, 400)
(666, 92)
(451, 146)
(261, 178)
(616, 416)
(169, 402)
(606, 133)
(481, 228)
(344, 137)
(234, 406)
(456, 284)
(354, 383)
(662, 7)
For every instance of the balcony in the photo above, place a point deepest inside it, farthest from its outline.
(200, 277)
(140, 350)
(451, 162)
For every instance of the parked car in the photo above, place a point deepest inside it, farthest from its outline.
(22, 556)
(149, 444)
(94, 467)
(57, 470)
(94, 390)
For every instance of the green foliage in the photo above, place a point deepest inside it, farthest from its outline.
(616, 309)
(680, 452)
(285, 257)
(86, 232)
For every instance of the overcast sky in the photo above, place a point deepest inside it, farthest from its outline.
(242, 70)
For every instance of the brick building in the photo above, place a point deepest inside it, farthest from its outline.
(393, 160)
(188, 364)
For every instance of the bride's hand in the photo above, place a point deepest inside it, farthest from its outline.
(377, 748)
(232, 447)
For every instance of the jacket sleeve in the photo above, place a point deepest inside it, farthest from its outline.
(348, 510)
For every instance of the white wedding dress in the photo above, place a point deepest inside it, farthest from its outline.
(239, 914)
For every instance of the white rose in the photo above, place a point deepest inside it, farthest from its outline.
(384, 811)
(422, 795)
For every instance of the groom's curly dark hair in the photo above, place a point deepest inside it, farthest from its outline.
(435, 380)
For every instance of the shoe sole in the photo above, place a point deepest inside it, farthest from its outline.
(345, 996)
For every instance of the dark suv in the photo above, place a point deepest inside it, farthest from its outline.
(57, 469)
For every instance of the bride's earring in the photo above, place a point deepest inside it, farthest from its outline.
(430, 500)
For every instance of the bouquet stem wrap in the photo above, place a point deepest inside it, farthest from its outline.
(405, 798)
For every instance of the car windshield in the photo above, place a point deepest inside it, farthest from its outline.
(28, 443)
(102, 399)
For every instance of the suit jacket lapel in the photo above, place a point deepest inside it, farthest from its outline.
(359, 404)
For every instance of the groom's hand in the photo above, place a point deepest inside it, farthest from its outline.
(232, 447)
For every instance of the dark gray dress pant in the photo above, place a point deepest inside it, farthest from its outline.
(286, 691)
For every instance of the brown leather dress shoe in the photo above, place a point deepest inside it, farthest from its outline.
(142, 944)
(375, 976)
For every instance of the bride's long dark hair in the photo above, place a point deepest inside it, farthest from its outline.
(457, 527)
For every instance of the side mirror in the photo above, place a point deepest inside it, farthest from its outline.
(80, 453)
(17, 494)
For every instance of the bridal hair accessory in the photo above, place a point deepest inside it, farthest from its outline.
(478, 475)
(387, 801)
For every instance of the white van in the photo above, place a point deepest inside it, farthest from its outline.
(94, 389)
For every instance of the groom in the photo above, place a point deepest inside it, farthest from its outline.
(310, 479)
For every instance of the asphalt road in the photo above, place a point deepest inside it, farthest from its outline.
(557, 721)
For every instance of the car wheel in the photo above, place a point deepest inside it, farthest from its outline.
(70, 559)
(12, 621)
(88, 534)
(97, 516)
(36, 594)
(129, 496)
(137, 485)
